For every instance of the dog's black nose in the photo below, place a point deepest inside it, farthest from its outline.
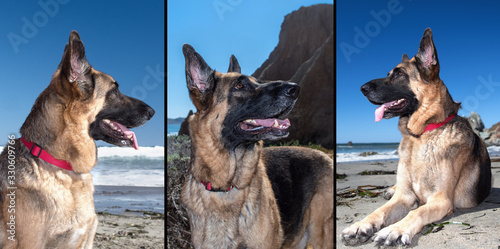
(149, 112)
(292, 90)
(366, 88)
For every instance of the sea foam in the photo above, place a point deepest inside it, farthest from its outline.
(149, 152)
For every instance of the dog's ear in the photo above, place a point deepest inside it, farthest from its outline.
(427, 59)
(199, 78)
(234, 66)
(405, 58)
(74, 65)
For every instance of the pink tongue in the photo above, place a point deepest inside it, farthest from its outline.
(270, 122)
(128, 132)
(379, 112)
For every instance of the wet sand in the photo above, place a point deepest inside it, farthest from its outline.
(129, 217)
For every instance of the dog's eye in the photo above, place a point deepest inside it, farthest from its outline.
(238, 86)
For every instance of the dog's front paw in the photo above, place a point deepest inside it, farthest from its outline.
(392, 236)
(357, 233)
(388, 193)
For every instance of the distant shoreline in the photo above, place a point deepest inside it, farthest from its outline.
(376, 152)
(173, 129)
(175, 120)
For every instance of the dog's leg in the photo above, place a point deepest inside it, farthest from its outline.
(90, 235)
(423, 116)
(403, 231)
(321, 233)
(321, 230)
(395, 209)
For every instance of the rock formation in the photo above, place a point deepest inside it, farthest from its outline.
(184, 130)
(490, 136)
(493, 135)
(304, 55)
(476, 123)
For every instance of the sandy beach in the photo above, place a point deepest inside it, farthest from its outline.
(484, 220)
(129, 231)
(129, 217)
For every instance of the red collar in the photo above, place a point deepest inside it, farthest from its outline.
(37, 151)
(208, 186)
(435, 126)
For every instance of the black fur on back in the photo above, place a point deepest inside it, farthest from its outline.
(293, 175)
(484, 182)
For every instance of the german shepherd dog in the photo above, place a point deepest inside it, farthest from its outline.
(443, 164)
(237, 194)
(46, 197)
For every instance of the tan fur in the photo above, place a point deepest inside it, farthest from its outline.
(54, 208)
(213, 163)
(247, 216)
(428, 174)
(322, 217)
(73, 144)
(318, 223)
(438, 171)
(433, 98)
(70, 122)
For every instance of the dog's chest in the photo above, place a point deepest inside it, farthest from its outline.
(422, 164)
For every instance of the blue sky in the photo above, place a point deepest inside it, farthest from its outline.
(124, 39)
(467, 38)
(247, 29)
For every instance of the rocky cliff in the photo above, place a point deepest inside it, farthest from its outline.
(184, 130)
(494, 135)
(490, 136)
(304, 55)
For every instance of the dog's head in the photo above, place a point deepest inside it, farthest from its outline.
(94, 98)
(81, 105)
(235, 107)
(408, 86)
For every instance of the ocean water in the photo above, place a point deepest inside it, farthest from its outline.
(126, 178)
(139, 175)
(173, 129)
(123, 166)
(385, 151)
(494, 151)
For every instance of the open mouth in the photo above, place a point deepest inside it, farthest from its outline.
(118, 131)
(396, 106)
(256, 126)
